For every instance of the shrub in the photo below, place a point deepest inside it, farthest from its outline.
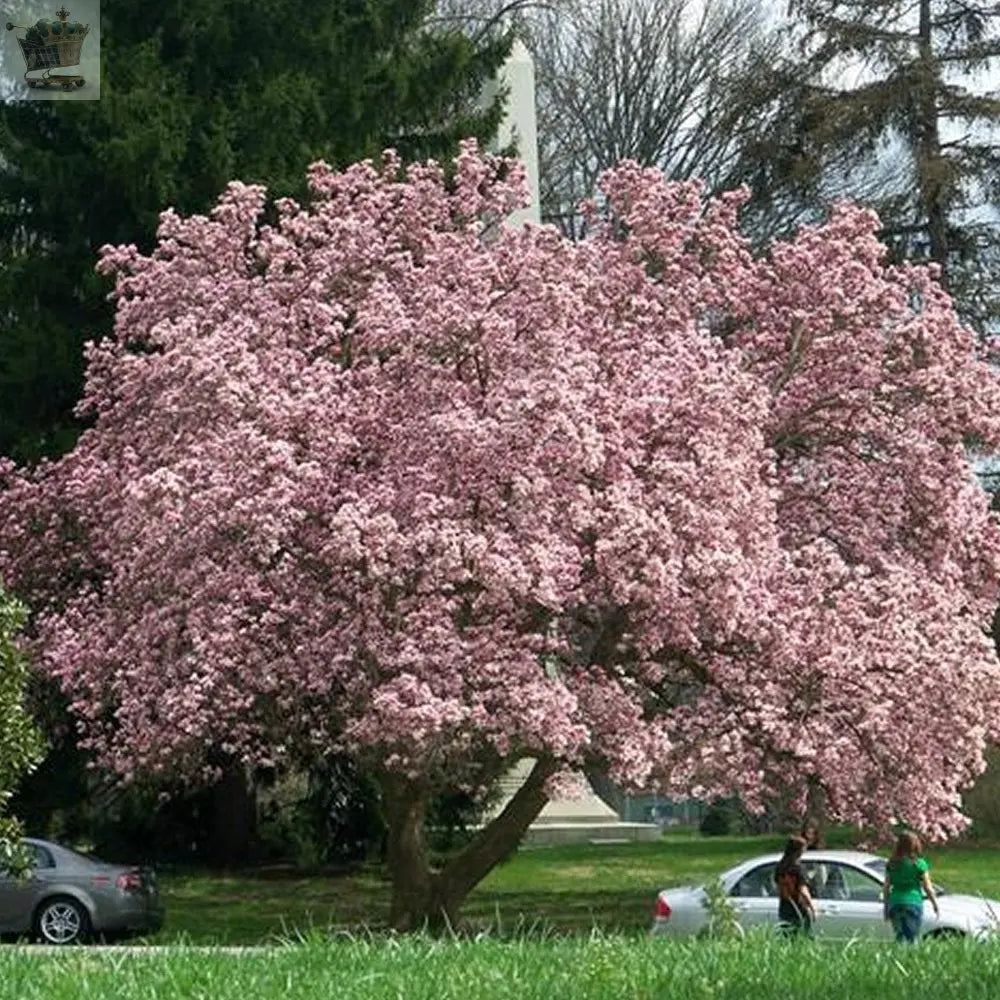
(721, 817)
(20, 743)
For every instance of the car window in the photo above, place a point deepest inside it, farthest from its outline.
(832, 880)
(29, 857)
(878, 865)
(758, 882)
(41, 857)
(91, 859)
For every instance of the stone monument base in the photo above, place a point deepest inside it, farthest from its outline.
(581, 820)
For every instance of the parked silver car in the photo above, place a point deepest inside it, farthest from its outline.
(847, 890)
(68, 897)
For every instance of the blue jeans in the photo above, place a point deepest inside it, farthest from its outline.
(906, 919)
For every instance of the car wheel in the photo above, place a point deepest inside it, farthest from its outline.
(61, 921)
(945, 934)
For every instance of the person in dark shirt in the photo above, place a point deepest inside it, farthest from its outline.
(796, 913)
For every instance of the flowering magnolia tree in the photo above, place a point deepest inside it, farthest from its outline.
(385, 477)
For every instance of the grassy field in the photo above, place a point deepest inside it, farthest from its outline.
(569, 889)
(550, 923)
(593, 967)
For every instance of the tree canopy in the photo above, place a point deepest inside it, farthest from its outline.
(376, 474)
(196, 93)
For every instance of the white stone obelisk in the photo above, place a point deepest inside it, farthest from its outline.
(518, 127)
(587, 816)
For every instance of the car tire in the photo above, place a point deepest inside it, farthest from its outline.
(944, 934)
(61, 920)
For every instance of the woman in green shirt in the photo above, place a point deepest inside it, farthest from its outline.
(907, 881)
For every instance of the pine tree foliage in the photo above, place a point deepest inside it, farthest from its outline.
(905, 85)
(195, 93)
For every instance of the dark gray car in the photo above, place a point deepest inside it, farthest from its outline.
(67, 897)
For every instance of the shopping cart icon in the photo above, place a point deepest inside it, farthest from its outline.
(49, 45)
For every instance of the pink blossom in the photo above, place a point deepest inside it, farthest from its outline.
(390, 477)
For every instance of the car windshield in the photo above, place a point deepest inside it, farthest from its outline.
(877, 865)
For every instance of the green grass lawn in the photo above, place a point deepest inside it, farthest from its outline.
(550, 923)
(569, 889)
(586, 967)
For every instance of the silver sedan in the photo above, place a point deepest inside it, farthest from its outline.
(67, 897)
(847, 891)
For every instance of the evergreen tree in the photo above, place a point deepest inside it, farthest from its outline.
(195, 93)
(895, 83)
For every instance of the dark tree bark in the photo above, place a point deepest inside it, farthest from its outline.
(232, 837)
(933, 190)
(816, 810)
(406, 853)
(425, 898)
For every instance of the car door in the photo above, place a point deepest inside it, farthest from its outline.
(20, 893)
(9, 908)
(848, 901)
(755, 896)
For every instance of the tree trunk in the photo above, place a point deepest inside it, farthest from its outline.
(406, 853)
(232, 831)
(816, 807)
(422, 899)
(935, 190)
(494, 842)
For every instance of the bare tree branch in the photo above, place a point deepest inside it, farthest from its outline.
(673, 85)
